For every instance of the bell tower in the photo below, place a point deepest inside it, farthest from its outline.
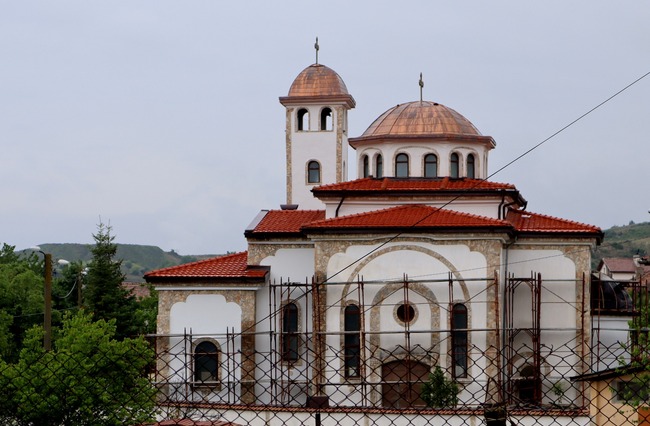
(316, 133)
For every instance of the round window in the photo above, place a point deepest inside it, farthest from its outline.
(405, 313)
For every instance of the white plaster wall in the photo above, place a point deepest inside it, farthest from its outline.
(611, 336)
(314, 145)
(483, 207)
(416, 152)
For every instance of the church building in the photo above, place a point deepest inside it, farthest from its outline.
(354, 290)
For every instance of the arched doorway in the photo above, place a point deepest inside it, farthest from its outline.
(402, 382)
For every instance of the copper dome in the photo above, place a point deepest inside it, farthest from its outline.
(318, 80)
(420, 118)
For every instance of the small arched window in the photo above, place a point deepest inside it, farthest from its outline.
(352, 343)
(303, 119)
(453, 170)
(326, 119)
(379, 166)
(313, 172)
(290, 337)
(459, 340)
(206, 362)
(430, 165)
(366, 166)
(471, 173)
(402, 165)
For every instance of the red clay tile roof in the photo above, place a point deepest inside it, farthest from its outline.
(620, 264)
(414, 185)
(285, 222)
(411, 216)
(229, 266)
(527, 222)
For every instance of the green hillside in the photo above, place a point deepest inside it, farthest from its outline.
(136, 259)
(624, 241)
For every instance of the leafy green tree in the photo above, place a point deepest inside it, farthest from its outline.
(438, 391)
(104, 294)
(21, 299)
(88, 378)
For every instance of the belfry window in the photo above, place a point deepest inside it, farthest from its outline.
(366, 166)
(206, 363)
(454, 166)
(313, 172)
(352, 341)
(303, 119)
(459, 340)
(290, 337)
(326, 119)
(430, 165)
(471, 173)
(379, 166)
(402, 165)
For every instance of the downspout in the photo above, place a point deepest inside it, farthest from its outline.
(336, 214)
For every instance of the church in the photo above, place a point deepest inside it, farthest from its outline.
(354, 290)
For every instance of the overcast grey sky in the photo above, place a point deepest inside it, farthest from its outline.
(162, 117)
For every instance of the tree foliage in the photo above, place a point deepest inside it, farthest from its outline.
(104, 295)
(88, 378)
(21, 299)
(438, 391)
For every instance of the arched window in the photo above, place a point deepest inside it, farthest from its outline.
(313, 172)
(303, 119)
(290, 337)
(470, 166)
(459, 340)
(430, 165)
(366, 166)
(326, 119)
(453, 171)
(352, 342)
(528, 386)
(402, 165)
(206, 362)
(379, 166)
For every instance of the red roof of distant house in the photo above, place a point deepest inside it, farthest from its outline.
(620, 264)
(284, 222)
(139, 290)
(413, 185)
(527, 222)
(190, 422)
(410, 216)
(229, 266)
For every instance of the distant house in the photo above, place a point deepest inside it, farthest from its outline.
(618, 268)
(614, 394)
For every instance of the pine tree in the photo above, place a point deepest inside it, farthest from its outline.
(104, 294)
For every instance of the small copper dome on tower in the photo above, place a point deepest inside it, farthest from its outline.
(317, 83)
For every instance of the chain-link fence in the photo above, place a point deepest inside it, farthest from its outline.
(191, 380)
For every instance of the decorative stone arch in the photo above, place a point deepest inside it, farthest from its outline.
(373, 354)
(202, 363)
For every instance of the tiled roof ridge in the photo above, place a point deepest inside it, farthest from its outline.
(445, 182)
(197, 262)
(433, 210)
(559, 219)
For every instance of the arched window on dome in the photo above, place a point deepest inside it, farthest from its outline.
(352, 341)
(471, 168)
(326, 119)
(303, 119)
(366, 166)
(402, 165)
(206, 363)
(379, 166)
(430, 165)
(313, 172)
(459, 340)
(454, 166)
